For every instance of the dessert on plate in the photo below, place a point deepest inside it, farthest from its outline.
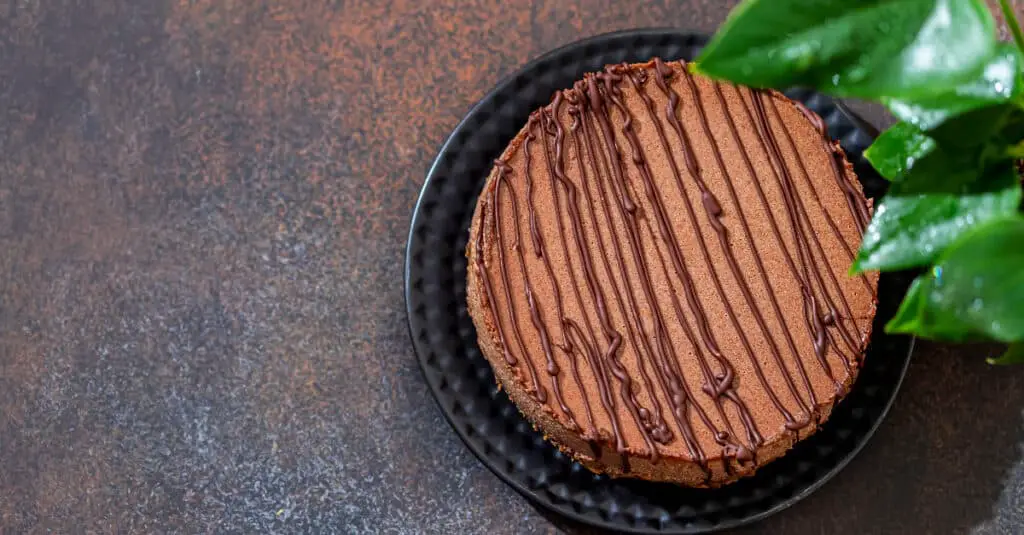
(658, 274)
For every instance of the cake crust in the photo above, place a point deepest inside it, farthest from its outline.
(657, 274)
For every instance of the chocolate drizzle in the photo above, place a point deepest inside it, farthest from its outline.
(538, 249)
(713, 211)
(540, 394)
(610, 211)
(804, 236)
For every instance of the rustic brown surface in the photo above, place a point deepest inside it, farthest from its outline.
(203, 207)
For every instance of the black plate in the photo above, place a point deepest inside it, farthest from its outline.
(461, 379)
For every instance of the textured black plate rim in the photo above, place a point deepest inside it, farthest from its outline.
(561, 509)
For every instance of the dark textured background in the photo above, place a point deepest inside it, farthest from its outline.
(203, 209)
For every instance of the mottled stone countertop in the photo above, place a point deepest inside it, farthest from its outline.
(203, 211)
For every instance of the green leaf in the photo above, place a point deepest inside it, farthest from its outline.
(903, 149)
(906, 49)
(975, 287)
(897, 150)
(970, 122)
(913, 317)
(903, 153)
(1012, 131)
(1013, 355)
(996, 85)
(923, 214)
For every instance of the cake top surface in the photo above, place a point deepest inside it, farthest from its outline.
(664, 261)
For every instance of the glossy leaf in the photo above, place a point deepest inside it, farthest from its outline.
(903, 153)
(897, 150)
(907, 49)
(922, 215)
(976, 286)
(914, 317)
(998, 84)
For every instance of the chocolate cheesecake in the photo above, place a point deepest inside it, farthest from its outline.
(658, 274)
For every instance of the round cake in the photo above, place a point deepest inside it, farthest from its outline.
(658, 274)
